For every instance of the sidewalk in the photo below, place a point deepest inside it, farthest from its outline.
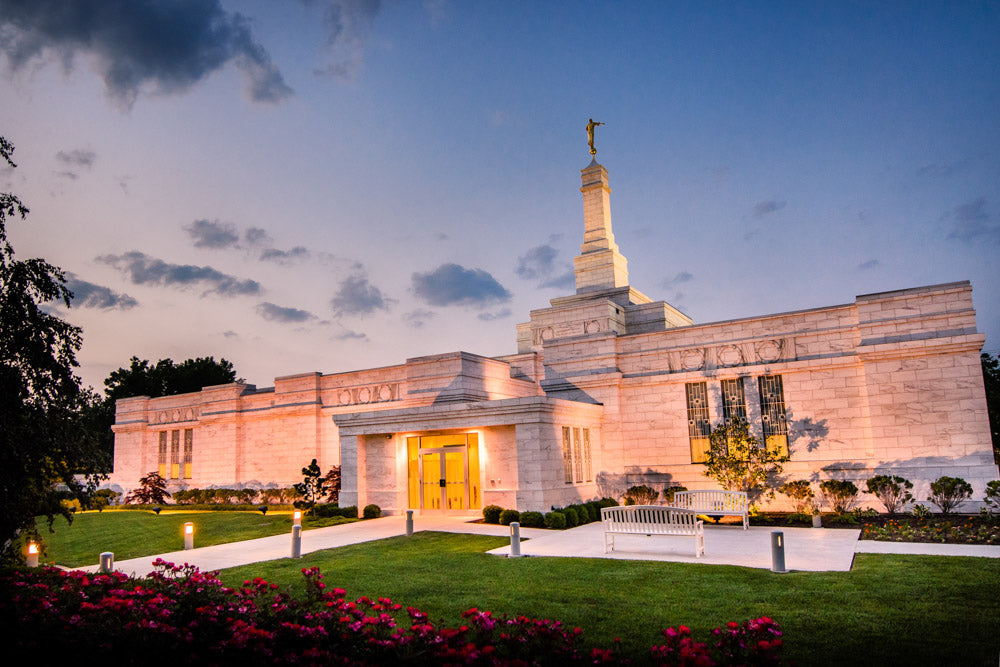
(806, 549)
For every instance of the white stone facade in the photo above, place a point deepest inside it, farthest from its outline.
(601, 394)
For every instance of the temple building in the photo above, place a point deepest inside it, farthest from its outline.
(608, 388)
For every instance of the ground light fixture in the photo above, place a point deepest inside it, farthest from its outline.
(297, 518)
(32, 554)
(188, 536)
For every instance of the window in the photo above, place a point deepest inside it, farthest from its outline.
(734, 403)
(188, 452)
(162, 455)
(175, 454)
(772, 413)
(699, 426)
(577, 462)
(173, 462)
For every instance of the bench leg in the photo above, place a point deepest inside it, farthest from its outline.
(609, 542)
(746, 521)
(699, 545)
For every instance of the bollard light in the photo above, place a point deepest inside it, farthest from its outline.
(32, 554)
(188, 535)
(778, 552)
(296, 541)
(107, 562)
(297, 518)
(515, 540)
(409, 523)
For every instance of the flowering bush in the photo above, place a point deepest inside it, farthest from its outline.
(970, 531)
(179, 615)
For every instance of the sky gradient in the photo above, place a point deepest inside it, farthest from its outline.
(324, 185)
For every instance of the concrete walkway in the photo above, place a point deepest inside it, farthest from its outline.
(806, 549)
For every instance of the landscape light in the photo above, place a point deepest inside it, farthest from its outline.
(32, 554)
(297, 518)
(188, 535)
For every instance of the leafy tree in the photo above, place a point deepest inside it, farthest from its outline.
(152, 490)
(311, 488)
(739, 462)
(42, 440)
(331, 482)
(893, 491)
(991, 379)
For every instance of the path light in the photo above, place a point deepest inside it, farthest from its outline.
(297, 518)
(296, 541)
(778, 552)
(188, 536)
(409, 523)
(515, 540)
(32, 554)
(107, 563)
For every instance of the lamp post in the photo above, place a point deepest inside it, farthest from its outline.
(32, 554)
(188, 536)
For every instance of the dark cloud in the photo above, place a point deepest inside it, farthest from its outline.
(79, 158)
(938, 170)
(270, 311)
(255, 236)
(418, 318)
(538, 262)
(348, 24)
(499, 315)
(565, 280)
(870, 264)
(284, 257)
(142, 269)
(454, 285)
(347, 334)
(972, 223)
(213, 234)
(680, 278)
(230, 334)
(762, 208)
(140, 45)
(356, 296)
(89, 295)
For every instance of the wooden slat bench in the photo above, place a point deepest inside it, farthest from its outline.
(652, 520)
(712, 502)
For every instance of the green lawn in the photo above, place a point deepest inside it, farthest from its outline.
(135, 533)
(887, 610)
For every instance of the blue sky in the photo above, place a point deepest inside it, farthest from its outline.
(333, 185)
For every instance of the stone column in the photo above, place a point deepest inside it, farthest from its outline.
(599, 265)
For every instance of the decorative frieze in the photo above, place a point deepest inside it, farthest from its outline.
(175, 415)
(747, 353)
(374, 393)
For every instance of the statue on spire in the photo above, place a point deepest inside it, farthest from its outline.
(590, 135)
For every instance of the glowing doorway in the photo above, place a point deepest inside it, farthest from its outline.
(443, 472)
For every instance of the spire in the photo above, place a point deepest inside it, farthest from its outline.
(599, 265)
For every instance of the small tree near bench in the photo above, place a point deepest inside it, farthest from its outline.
(893, 491)
(739, 462)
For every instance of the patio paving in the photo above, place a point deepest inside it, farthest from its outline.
(806, 549)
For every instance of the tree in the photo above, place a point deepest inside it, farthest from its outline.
(739, 462)
(42, 438)
(311, 488)
(331, 482)
(991, 380)
(152, 490)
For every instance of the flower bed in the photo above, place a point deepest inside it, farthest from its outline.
(959, 530)
(179, 615)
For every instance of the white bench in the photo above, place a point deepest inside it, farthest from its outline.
(652, 520)
(714, 503)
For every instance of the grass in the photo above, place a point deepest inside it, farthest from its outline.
(887, 610)
(133, 533)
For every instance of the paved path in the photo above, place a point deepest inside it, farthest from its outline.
(806, 549)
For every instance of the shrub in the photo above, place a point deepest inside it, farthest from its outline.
(507, 516)
(920, 512)
(668, 493)
(801, 493)
(326, 510)
(371, 512)
(103, 498)
(641, 495)
(582, 514)
(349, 512)
(840, 494)
(948, 493)
(992, 497)
(491, 513)
(572, 518)
(532, 520)
(595, 510)
(246, 496)
(72, 505)
(555, 520)
(607, 502)
(893, 491)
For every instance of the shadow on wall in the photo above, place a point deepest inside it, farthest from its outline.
(614, 485)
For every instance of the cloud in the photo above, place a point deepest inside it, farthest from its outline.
(357, 296)
(937, 170)
(89, 295)
(565, 280)
(78, 158)
(284, 257)
(140, 45)
(348, 24)
(538, 262)
(972, 223)
(347, 334)
(418, 318)
(762, 208)
(229, 333)
(454, 285)
(499, 315)
(213, 234)
(870, 264)
(273, 313)
(142, 269)
(680, 278)
(256, 236)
